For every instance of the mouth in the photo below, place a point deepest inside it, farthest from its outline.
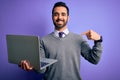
(59, 20)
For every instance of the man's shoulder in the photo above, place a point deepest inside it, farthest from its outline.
(47, 36)
(74, 34)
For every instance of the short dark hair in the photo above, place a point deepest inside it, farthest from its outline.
(58, 4)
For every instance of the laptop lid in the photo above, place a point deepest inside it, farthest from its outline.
(24, 47)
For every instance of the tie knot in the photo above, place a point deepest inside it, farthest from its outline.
(61, 34)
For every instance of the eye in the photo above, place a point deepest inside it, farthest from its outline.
(55, 14)
(63, 14)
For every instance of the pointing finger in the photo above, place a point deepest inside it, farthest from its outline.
(85, 33)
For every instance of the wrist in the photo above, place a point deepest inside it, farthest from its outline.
(100, 40)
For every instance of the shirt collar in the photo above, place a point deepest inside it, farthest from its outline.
(66, 31)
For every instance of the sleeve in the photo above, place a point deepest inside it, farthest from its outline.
(42, 50)
(42, 54)
(91, 54)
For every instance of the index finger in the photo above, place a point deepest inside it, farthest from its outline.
(84, 33)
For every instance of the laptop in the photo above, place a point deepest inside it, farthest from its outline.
(26, 47)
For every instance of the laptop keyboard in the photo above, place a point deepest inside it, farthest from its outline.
(43, 64)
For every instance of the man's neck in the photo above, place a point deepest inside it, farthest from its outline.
(61, 29)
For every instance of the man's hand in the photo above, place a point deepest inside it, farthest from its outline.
(91, 35)
(26, 65)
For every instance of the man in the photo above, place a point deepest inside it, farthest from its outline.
(66, 47)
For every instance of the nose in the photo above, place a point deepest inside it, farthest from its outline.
(60, 16)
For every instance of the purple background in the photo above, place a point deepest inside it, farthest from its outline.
(33, 17)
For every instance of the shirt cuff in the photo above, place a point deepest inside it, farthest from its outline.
(100, 40)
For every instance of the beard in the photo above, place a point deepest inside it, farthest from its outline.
(59, 26)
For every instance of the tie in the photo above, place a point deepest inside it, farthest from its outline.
(61, 34)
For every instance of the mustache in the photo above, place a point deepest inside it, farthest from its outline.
(59, 20)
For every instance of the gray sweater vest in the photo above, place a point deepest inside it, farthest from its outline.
(67, 51)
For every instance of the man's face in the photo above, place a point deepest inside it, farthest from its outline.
(60, 17)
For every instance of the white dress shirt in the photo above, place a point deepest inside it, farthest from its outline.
(66, 32)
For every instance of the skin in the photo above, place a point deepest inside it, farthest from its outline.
(60, 19)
